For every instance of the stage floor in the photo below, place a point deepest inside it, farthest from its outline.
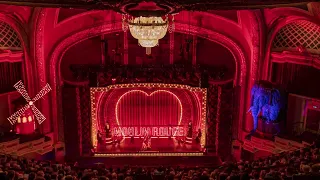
(158, 145)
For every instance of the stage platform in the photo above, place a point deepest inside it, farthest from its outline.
(149, 154)
(159, 147)
(173, 161)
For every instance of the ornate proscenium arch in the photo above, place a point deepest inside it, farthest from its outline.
(64, 45)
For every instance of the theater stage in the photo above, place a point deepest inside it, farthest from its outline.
(159, 147)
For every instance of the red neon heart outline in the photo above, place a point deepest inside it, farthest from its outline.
(157, 91)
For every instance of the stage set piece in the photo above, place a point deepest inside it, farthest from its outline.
(148, 118)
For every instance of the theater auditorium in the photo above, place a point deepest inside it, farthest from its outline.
(159, 89)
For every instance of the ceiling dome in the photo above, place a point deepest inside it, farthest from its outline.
(9, 38)
(298, 34)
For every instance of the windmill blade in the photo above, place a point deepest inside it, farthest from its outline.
(42, 93)
(39, 116)
(13, 118)
(22, 90)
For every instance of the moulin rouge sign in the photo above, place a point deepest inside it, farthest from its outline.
(175, 131)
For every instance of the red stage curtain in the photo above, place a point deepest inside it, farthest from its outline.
(161, 108)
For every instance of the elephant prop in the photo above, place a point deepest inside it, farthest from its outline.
(265, 103)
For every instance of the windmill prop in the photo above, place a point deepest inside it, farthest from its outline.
(30, 103)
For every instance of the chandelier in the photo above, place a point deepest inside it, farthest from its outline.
(147, 30)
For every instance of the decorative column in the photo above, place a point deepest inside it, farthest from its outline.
(125, 48)
(194, 50)
(41, 64)
(171, 47)
(79, 120)
(255, 29)
(60, 124)
(218, 118)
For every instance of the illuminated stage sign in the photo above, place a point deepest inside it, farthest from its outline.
(152, 131)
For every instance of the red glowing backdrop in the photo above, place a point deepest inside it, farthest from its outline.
(148, 105)
(139, 108)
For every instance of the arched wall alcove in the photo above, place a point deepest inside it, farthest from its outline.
(295, 58)
(276, 19)
(21, 32)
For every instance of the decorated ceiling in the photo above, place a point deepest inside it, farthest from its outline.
(177, 5)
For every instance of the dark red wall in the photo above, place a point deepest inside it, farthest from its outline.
(65, 13)
(4, 111)
(159, 54)
(89, 52)
(297, 79)
(211, 53)
(85, 52)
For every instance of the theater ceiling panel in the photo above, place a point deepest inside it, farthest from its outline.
(177, 4)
